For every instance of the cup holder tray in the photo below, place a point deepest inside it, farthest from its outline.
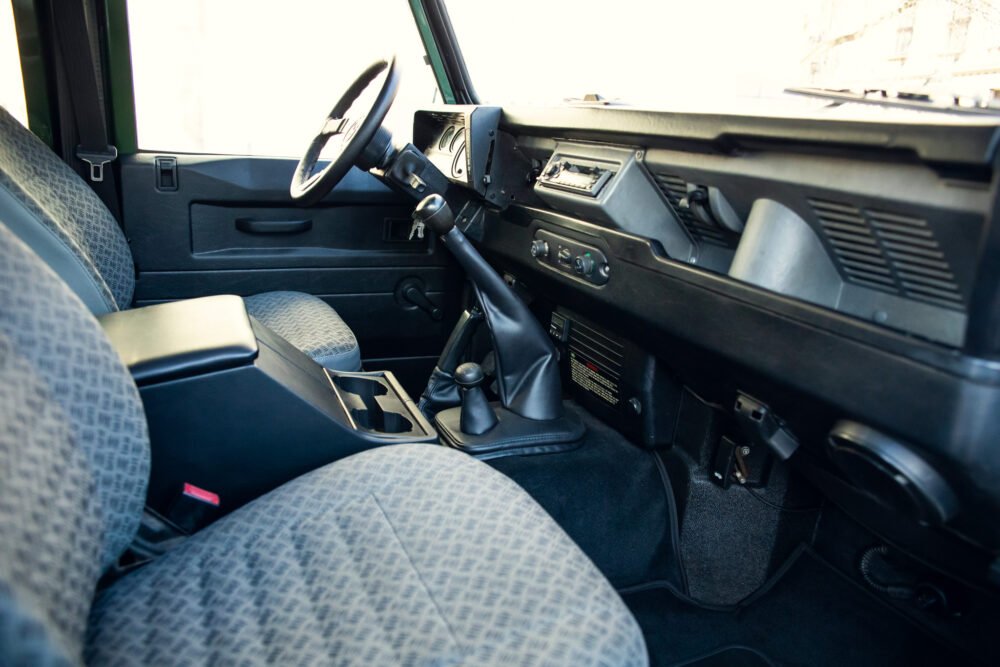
(375, 403)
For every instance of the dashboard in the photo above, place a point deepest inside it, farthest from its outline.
(832, 269)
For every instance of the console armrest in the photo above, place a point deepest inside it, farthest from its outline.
(182, 338)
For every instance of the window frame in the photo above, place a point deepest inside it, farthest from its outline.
(35, 71)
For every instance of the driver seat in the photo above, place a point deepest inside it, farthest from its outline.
(57, 215)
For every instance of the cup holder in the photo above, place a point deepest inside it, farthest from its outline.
(381, 421)
(376, 403)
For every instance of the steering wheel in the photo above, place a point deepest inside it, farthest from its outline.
(352, 128)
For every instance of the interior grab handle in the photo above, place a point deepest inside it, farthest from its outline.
(251, 226)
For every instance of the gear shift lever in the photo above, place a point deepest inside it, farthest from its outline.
(527, 366)
(530, 418)
(478, 416)
(434, 212)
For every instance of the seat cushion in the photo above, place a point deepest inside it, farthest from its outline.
(74, 460)
(402, 555)
(309, 324)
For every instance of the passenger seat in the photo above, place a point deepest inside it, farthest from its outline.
(408, 555)
(49, 206)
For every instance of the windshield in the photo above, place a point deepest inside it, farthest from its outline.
(722, 55)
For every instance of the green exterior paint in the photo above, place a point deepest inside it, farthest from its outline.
(36, 80)
(433, 53)
(119, 59)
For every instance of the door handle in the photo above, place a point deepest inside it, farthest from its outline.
(251, 226)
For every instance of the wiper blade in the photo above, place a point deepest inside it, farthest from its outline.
(903, 100)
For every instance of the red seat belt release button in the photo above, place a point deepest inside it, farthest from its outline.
(201, 495)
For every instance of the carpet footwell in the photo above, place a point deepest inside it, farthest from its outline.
(810, 615)
(610, 497)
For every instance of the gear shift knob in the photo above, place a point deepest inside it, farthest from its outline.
(434, 212)
(478, 415)
(469, 375)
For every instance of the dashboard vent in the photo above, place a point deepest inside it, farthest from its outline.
(674, 188)
(889, 252)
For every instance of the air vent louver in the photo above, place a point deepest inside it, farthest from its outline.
(674, 188)
(889, 252)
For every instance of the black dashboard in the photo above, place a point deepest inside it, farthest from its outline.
(838, 270)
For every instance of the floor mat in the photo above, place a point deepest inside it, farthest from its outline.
(811, 615)
(608, 495)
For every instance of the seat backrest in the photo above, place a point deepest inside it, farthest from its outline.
(55, 212)
(74, 460)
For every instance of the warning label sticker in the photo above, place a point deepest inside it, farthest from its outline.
(587, 375)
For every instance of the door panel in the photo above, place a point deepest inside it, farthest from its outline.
(224, 224)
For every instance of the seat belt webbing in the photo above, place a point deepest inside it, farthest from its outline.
(77, 56)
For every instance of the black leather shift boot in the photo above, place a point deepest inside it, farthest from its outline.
(513, 435)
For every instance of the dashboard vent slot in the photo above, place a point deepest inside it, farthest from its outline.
(674, 188)
(888, 251)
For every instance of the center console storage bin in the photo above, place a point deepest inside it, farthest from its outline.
(236, 410)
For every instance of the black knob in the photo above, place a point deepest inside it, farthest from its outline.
(584, 264)
(469, 375)
(477, 415)
(434, 212)
(539, 248)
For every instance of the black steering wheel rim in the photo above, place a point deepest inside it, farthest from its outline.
(309, 188)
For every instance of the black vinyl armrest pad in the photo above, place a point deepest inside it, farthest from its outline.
(182, 338)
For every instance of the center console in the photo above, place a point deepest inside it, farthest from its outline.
(235, 410)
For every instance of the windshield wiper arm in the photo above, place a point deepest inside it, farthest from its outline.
(594, 100)
(902, 100)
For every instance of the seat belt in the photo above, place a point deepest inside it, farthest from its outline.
(94, 149)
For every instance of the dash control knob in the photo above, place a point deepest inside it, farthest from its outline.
(539, 248)
(583, 264)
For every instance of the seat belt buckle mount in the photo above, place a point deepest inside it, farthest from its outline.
(97, 160)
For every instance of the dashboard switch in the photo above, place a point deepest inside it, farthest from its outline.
(583, 264)
(570, 257)
(539, 249)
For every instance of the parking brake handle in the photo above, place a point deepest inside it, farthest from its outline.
(527, 365)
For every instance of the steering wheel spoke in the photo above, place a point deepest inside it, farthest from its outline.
(332, 126)
(347, 131)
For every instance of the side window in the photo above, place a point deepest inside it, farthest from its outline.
(257, 78)
(11, 84)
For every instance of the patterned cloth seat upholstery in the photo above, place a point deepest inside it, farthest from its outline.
(407, 554)
(49, 206)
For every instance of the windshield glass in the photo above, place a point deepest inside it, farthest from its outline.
(722, 55)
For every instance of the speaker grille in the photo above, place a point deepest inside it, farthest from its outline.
(888, 251)
(674, 188)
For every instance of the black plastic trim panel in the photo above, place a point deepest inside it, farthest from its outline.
(955, 141)
(892, 382)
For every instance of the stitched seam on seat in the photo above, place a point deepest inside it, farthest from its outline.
(255, 594)
(299, 558)
(420, 577)
(363, 582)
